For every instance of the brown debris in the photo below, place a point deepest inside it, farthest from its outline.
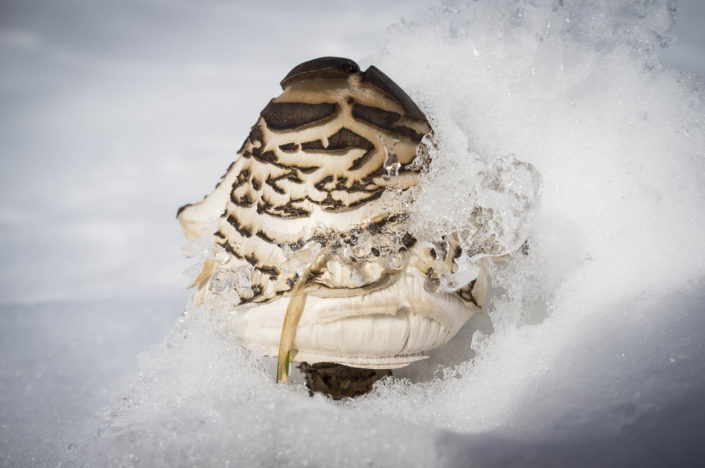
(339, 381)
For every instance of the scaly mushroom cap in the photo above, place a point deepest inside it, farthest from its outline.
(323, 167)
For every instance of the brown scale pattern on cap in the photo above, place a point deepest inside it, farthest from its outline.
(315, 156)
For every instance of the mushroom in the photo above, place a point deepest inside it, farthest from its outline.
(310, 227)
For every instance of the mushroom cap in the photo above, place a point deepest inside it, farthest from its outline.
(323, 166)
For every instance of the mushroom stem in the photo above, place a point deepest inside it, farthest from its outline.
(294, 310)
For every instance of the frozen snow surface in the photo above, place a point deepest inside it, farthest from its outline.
(591, 351)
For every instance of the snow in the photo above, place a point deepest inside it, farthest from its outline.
(60, 362)
(590, 352)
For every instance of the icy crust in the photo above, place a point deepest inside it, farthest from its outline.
(484, 206)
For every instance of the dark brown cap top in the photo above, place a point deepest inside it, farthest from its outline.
(339, 67)
(323, 67)
(379, 80)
